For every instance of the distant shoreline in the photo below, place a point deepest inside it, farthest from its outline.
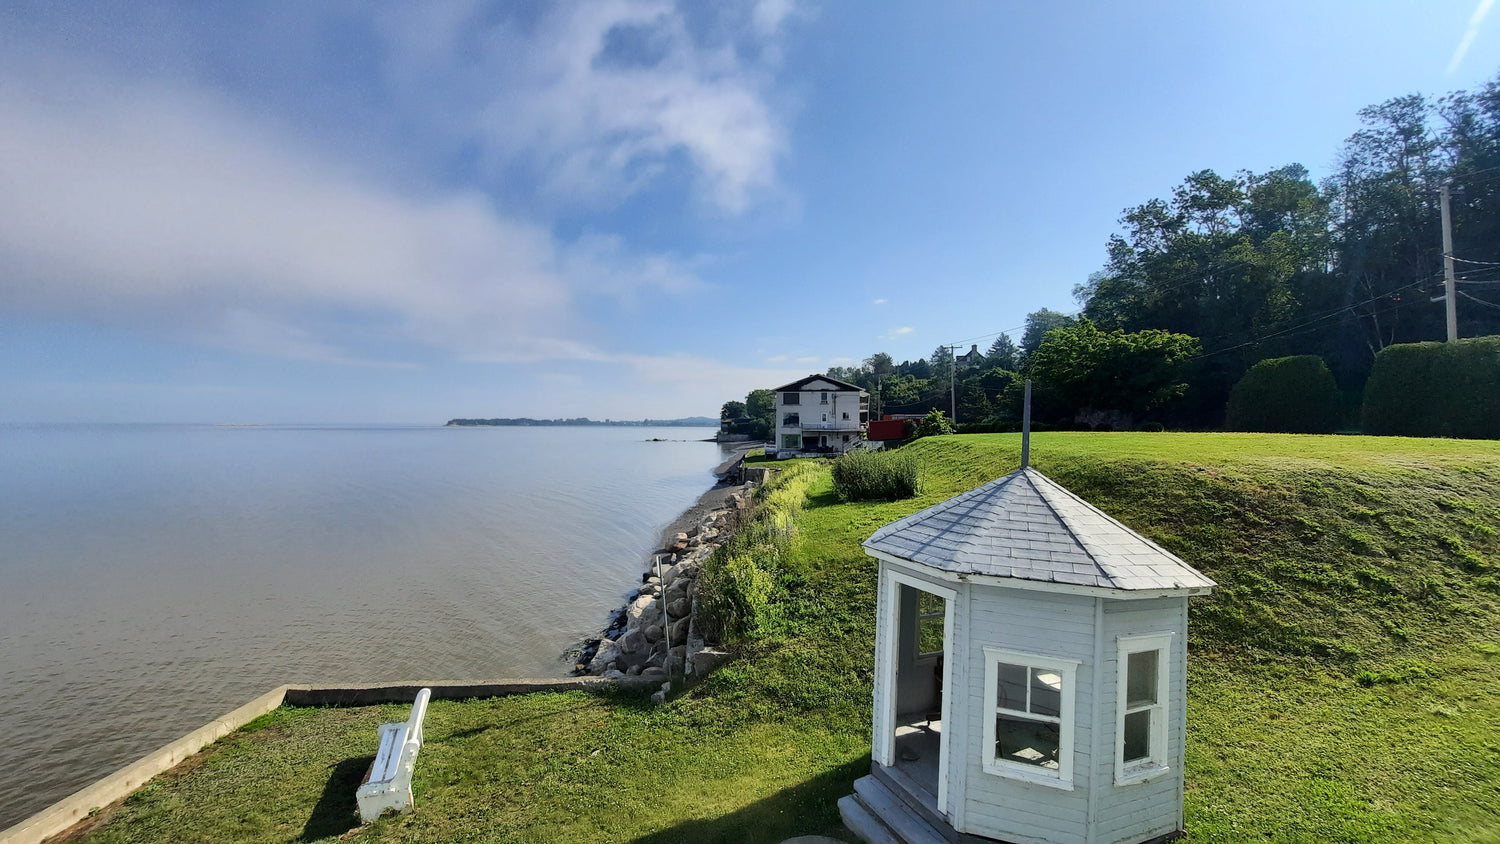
(688, 422)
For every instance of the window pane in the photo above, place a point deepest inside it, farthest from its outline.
(930, 636)
(1137, 735)
(1028, 742)
(1012, 694)
(1046, 692)
(1141, 679)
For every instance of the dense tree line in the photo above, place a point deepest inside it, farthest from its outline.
(1231, 270)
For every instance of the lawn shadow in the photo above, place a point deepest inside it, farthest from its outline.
(335, 813)
(807, 808)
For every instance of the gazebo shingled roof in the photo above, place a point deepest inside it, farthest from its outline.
(1026, 526)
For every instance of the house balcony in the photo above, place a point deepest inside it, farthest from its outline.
(849, 425)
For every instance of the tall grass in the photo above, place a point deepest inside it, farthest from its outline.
(741, 579)
(875, 476)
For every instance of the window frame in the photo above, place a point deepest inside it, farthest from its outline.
(791, 398)
(787, 441)
(1155, 762)
(791, 419)
(1066, 720)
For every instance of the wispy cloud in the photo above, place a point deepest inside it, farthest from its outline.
(597, 100)
(878, 302)
(162, 205)
(896, 333)
(1470, 34)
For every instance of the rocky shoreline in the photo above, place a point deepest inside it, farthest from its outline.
(655, 633)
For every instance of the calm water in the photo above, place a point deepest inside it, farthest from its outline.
(155, 577)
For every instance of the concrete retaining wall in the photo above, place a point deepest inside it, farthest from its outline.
(62, 815)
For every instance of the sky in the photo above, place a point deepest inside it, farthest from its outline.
(407, 212)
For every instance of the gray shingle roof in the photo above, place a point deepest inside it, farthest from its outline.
(1026, 526)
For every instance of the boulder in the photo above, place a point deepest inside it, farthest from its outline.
(607, 653)
(654, 633)
(679, 632)
(676, 657)
(633, 671)
(708, 659)
(679, 543)
(612, 674)
(692, 531)
(633, 642)
(653, 671)
(679, 608)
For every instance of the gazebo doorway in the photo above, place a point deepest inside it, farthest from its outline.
(918, 654)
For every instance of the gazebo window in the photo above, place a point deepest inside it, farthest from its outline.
(1141, 710)
(1029, 734)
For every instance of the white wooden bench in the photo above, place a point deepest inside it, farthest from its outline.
(387, 785)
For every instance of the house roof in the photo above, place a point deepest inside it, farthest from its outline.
(1026, 526)
(801, 382)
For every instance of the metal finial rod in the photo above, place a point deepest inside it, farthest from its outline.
(1026, 428)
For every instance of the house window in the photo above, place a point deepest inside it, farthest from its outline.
(1141, 707)
(791, 419)
(846, 417)
(791, 440)
(791, 398)
(1028, 728)
(823, 399)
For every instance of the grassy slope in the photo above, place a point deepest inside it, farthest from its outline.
(1344, 683)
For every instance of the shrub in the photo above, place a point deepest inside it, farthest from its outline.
(932, 425)
(875, 476)
(736, 592)
(1151, 427)
(1436, 390)
(1293, 395)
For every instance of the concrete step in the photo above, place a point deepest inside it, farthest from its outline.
(892, 811)
(866, 826)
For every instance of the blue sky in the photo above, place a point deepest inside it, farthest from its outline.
(330, 212)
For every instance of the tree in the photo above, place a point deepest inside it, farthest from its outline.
(732, 410)
(1079, 368)
(760, 405)
(1038, 323)
(880, 364)
(1002, 354)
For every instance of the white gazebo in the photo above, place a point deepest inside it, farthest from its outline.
(1030, 674)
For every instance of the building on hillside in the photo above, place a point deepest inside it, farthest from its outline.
(820, 415)
(1030, 674)
(971, 357)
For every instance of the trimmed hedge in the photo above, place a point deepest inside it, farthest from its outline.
(1436, 390)
(1294, 395)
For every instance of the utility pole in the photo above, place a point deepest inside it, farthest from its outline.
(952, 390)
(1450, 294)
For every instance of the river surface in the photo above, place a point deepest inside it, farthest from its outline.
(155, 577)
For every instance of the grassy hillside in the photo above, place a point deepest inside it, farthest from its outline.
(1344, 682)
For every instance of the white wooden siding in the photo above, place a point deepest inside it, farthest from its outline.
(1143, 810)
(1060, 626)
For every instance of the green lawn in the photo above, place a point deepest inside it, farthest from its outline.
(1344, 682)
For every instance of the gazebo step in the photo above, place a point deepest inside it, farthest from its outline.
(863, 824)
(894, 814)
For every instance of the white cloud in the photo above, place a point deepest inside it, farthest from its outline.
(895, 333)
(598, 99)
(878, 302)
(161, 205)
(1470, 34)
(840, 361)
(810, 359)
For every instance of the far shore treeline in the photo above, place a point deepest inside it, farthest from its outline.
(685, 422)
(1230, 271)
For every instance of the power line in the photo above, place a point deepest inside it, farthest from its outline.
(1484, 302)
(1336, 312)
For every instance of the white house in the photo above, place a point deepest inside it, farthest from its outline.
(820, 414)
(1030, 674)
